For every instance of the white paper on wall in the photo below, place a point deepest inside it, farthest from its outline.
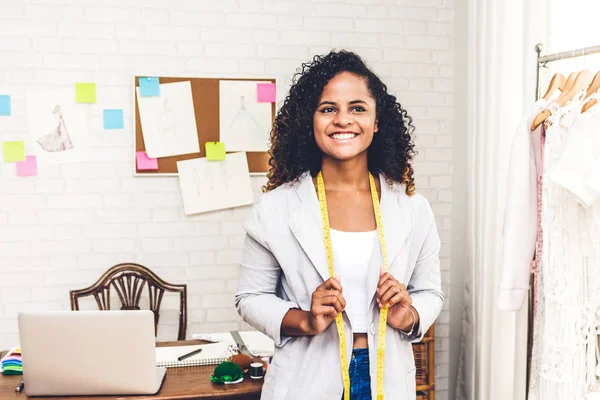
(244, 123)
(214, 185)
(57, 127)
(168, 121)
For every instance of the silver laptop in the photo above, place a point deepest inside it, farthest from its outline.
(89, 353)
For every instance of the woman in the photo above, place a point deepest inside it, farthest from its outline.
(337, 126)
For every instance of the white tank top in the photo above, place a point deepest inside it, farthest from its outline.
(351, 255)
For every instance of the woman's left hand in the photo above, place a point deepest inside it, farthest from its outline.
(395, 295)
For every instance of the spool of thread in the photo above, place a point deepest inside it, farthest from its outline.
(256, 370)
(265, 361)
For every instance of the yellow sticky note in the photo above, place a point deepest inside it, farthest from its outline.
(13, 151)
(85, 92)
(215, 151)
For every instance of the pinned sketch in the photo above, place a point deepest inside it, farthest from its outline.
(58, 138)
(57, 127)
(214, 185)
(244, 122)
(168, 121)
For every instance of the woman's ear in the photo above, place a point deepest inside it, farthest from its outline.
(376, 128)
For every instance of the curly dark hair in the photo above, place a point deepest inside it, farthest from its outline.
(293, 147)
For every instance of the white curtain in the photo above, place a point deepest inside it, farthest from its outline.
(500, 86)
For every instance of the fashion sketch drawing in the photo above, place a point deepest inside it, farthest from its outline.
(58, 139)
(167, 124)
(244, 121)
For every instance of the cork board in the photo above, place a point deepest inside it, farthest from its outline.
(205, 94)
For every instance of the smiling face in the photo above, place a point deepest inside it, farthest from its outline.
(345, 119)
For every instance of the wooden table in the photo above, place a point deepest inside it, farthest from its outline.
(183, 383)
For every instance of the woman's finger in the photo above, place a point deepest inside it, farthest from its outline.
(325, 311)
(389, 293)
(386, 287)
(333, 300)
(401, 299)
(330, 284)
(383, 278)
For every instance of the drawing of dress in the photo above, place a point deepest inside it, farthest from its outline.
(167, 125)
(245, 125)
(58, 139)
(214, 180)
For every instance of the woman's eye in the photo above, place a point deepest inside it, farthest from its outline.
(327, 110)
(359, 109)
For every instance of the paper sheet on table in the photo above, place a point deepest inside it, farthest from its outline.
(214, 185)
(57, 127)
(244, 123)
(168, 121)
(258, 343)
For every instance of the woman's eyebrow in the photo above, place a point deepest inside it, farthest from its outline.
(333, 103)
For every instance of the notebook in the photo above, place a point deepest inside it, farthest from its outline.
(258, 343)
(211, 354)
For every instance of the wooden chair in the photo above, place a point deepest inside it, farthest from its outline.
(424, 353)
(128, 280)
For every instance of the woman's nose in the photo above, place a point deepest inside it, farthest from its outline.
(343, 119)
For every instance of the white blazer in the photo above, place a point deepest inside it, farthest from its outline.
(284, 261)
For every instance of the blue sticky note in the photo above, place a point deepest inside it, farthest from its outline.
(113, 119)
(4, 104)
(149, 86)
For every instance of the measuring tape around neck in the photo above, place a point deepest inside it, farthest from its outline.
(339, 321)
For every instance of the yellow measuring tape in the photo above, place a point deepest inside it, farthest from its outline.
(339, 321)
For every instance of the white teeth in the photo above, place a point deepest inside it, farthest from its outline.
(343, 136)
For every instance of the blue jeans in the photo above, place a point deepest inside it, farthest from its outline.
(360, 379)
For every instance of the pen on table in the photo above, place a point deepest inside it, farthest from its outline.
(20, 387)
(183, 357)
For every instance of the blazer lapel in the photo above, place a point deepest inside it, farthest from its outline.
(306, 226)
(396, 227)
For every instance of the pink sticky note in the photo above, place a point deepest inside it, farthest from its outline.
(27, 167)
(144, 162)
(265, 92)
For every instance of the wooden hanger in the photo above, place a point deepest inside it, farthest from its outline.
(582, 81)
(570, 81)
(594, 87)
(546, 113)
(569, 85)
(556, 83)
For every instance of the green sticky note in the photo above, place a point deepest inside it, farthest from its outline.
(85, 92)
(215, 151)
(13, 151)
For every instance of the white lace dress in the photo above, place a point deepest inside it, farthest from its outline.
(578, 172)
(567, 339)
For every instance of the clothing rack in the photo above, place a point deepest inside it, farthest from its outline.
(542, 62)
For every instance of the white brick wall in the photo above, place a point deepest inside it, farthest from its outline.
(62, 229)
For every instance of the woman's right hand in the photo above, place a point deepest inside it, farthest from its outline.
(327, 303)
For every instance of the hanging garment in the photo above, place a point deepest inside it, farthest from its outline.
(538, 285)
(520, 217)
(561, 350)
(578, 172)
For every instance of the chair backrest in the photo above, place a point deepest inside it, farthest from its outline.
(129, 280)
